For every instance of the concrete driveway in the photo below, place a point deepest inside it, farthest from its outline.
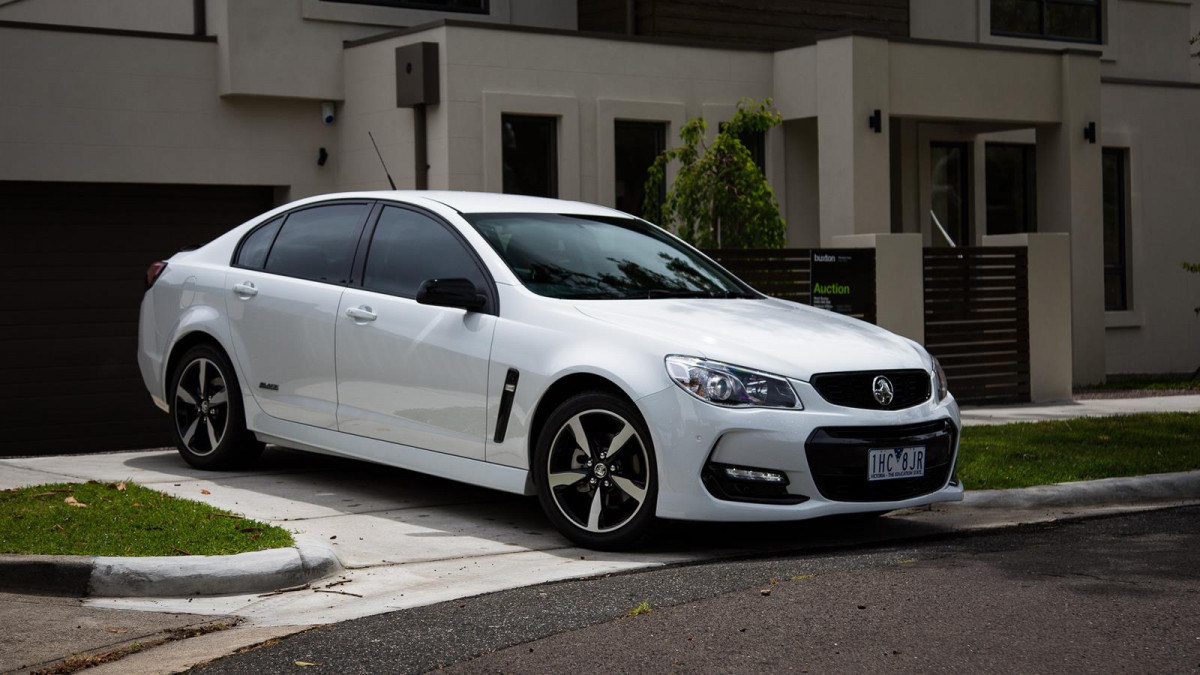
(405, 539)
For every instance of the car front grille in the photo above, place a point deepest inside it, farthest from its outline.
(838, 457)
(856, 390)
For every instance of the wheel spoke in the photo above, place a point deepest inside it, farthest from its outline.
(191, 432)
(630, 488)
(212, 433)
(594, 512)
(567, 478)
(203, 374)
(580, 437)
(619, 441)
(219, 398)
(184, 396)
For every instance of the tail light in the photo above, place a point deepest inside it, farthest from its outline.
(155, 271)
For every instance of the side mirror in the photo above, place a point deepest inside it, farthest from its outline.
(459, 293)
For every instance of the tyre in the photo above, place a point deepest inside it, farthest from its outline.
(207, 416)
(595, 471)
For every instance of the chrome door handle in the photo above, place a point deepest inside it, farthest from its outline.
(362, 313)
(246, 290)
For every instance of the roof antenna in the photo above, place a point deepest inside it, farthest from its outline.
(385, 169)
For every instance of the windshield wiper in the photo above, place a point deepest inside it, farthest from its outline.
(666, 293)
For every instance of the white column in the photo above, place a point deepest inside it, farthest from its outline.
(899, 280)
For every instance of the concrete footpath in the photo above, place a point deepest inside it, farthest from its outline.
(1007, 414)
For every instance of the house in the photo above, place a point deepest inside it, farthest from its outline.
(130, 128)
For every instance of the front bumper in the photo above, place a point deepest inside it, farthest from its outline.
(690, 434)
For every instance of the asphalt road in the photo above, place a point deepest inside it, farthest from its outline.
(1117, 594)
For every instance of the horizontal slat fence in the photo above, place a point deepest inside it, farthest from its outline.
(779, 272)
(977, 321)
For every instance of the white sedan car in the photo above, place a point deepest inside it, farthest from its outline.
(544, 347)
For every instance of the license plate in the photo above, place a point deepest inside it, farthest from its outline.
(893, 463)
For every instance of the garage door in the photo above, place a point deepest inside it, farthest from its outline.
(73, 258)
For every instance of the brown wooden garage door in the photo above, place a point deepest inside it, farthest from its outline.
(73, 258)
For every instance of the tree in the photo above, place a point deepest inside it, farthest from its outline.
(720, 197)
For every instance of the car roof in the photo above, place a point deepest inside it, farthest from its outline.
(490, 202)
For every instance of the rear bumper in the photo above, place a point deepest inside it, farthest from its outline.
(690, 434)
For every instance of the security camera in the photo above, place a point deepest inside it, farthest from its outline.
(327, 110)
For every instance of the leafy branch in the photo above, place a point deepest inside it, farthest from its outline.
(720, 197)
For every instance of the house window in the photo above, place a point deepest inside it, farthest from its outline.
(1011, 177)
(1116, 232)
(951, 192)
(530, 155)
(468, 6)
(637, 145)
(1073, 20)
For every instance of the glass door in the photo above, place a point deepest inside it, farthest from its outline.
(951, 190)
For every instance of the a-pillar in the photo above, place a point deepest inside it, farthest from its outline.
(1070, 199)
(855, 185)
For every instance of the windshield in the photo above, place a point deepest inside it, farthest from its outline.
(595, 257)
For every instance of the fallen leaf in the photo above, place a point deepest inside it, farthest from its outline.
(204, 492)
(59, 527)
(114, 629)
(765, 591)
(71, 501)
(120, 487)
(305, 664)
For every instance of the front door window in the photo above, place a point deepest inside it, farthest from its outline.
(951, 194)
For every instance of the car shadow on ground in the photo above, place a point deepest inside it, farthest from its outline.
(377, 514)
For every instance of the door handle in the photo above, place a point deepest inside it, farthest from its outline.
(245, 290)
(362, 313)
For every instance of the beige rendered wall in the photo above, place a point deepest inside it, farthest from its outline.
(164, 16)
(79, 107)
(1160, 333)
(489, 72)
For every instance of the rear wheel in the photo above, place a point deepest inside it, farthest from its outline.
(206, 412)
(595, 471)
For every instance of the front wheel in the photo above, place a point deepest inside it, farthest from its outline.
(595, 472)
(206, 412)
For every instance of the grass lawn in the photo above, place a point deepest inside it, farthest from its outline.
(123, 519)
(1040, 453)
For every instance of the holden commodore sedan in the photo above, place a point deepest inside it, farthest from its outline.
(540, 347)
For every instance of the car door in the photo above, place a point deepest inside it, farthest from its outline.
(283, 292)
(407, 372)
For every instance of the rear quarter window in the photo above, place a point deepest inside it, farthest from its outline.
(253, 251)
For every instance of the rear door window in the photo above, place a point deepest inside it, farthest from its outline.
(409, 248)
(318, 243)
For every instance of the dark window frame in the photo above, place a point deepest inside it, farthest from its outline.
(553, 152)
(428, 5)
(1121, 269)
(368, 235)
(662, 128)
(1042, 33)
(285, 216)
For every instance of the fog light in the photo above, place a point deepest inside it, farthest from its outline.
(755, 475)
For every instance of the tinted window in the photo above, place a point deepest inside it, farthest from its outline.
(637, 145)
(409, 248)
(600, 258)
(1076, 20)
(253, 252)
(1116, 249)
(318, 243)
(1011, 179)
(530, 155)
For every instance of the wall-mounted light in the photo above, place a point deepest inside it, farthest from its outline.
(875, 121)
(322, 157)
(1089, 132)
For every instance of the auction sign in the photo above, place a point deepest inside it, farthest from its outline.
(843, 281)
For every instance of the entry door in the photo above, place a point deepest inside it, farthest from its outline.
(282, 298)
(951, 192)
(406, 372)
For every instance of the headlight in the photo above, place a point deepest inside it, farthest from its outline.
(725, 385)
(943, 389)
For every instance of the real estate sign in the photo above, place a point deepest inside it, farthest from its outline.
(843, 281)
